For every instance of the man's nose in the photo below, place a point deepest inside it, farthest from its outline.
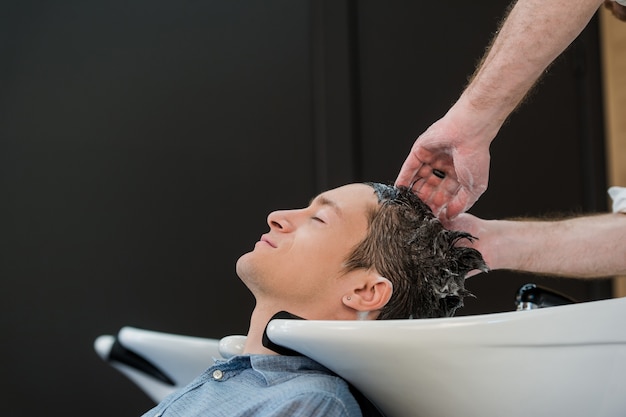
(281, 220)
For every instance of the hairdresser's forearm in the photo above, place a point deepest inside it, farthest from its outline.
(532, 36)
(593, 246)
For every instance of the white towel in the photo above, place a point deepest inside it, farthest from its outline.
(618, 194)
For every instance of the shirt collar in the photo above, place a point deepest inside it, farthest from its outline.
(277, 368)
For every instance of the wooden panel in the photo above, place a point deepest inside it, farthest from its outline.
(613, 36)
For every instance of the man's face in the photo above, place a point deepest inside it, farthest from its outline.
(300, 260)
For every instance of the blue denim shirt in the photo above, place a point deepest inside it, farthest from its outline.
(262, 385)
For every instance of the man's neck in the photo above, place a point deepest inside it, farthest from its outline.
(258, 321)
(264, 311)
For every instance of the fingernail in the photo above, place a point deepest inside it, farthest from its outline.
(439, 174)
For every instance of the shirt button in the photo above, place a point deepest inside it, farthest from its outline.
(217, 374)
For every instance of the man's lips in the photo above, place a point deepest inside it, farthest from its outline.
(265, 239)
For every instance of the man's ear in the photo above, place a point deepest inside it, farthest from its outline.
(372, 295)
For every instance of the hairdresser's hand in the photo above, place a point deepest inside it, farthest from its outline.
(448, 168)
(484, 232)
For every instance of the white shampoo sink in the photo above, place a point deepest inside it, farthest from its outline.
(565, 361)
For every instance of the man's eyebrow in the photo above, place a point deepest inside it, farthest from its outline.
(323, 201)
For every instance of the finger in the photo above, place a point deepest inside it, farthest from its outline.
(409, 171)
(447, 185)
(432, 189)
(461, 202)
(454, 209)
(432, 197)
(439, 178)
(427, 183)
(425, 171)
(438, 200)
(417, 185)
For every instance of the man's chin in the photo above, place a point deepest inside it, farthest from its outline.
(248, 271)
(244, 265)
(239, 263)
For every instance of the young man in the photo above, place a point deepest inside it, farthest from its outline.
(361, 251)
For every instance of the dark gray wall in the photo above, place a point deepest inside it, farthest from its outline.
(142, 145)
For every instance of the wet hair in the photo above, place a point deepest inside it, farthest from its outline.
(409, 246)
